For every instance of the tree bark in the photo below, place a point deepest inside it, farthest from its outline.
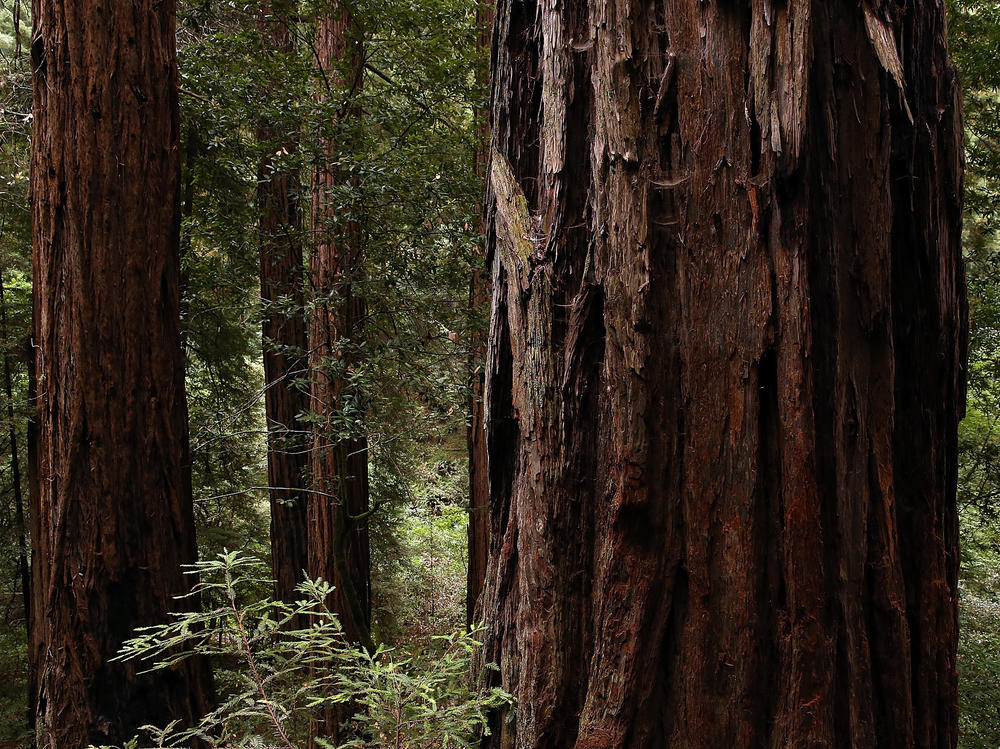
(338, 548)
(725, 374)
(479, 295)
(113, 519)
(338, 462)
(285, 343)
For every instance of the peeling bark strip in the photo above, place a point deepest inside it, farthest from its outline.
(285, 345)
(725, 374)
(112, 520)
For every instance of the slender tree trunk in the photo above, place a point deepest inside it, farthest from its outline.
(725, 374)
(33, 504)
(113, 521)
(338, 501)
(479, 483)
(24, 571)
(281, 286)
(15, 465)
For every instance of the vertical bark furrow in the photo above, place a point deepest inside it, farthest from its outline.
(771, 508)
(925, 180)
(112, 518)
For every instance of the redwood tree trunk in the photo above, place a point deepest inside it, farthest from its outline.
(338, 461)
(113, 520)
(338, 502)
(725, 374)
(285, 344)
(479, 293)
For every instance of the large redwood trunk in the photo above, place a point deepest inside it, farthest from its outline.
(338, 502)
(725, 374)
(113, 520)
(479, 294)
(285, 344)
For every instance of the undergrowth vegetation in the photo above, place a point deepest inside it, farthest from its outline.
(279, 666)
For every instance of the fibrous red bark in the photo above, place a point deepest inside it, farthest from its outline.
(338, 461)
(285, 345)
(725, 374)
(112, 520)
(338, 502)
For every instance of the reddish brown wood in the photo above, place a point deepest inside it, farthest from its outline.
(112, 521)
(479, 296)
(338, 462)
(282, 278)
(338, 544)
(725, 374)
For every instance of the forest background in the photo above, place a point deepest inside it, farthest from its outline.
(415, 194)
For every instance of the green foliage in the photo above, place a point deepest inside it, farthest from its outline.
(414, 196)
(420, 562)
(14, 681)
(15, 326)
(974, 40)
(974, 35)
(979, 647)
(276, 679)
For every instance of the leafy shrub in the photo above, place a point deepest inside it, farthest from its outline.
(979, 628)
(275, 676)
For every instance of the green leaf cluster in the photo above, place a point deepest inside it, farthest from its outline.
(276, 678)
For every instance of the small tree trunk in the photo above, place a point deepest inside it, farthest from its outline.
(34, 641)
(479, 482)
(24, 571)
(338, 501)
(281, 287)
(725, 374)
(113, 519)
